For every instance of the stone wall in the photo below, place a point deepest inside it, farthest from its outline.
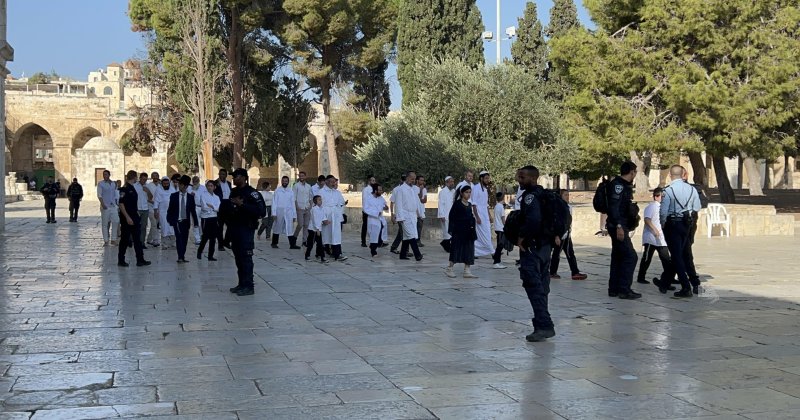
(88, 161)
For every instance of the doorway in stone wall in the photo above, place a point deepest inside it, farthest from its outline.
(98, 175)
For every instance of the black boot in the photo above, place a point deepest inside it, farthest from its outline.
(275, 238)
(293, 242)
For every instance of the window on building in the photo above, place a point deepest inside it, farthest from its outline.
(108, 91)
(44, 155)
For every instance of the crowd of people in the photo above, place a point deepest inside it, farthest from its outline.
(149, 210)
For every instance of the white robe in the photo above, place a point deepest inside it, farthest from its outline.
(162, 204)
(283, 208)
(333, 203)
(446, 198)
(373, 207)
(480, 199)
(406, 208)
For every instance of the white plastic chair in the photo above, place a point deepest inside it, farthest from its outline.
(717, 215)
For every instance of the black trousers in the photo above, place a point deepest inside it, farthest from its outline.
(74, 205)
(209, 228)
(414, 247)
(222, 237)
(399, 237)
(50, 208)
(315, 238)
(244, 264)
(676, 232)
(534, 266)
(182, 229)
(420, 222)
(364, 217)
(130, 235)
(667, 272)
(498, 251)
(688, 255)
(569, 252)
(623, 263)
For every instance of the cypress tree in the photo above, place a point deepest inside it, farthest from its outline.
(436, 29)
(563, 17)
(530, 49)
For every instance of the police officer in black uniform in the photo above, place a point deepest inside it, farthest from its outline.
(50, 191)
(129, 221)
(619, 224)
(535, 250)
(75, 195)
(246, 209)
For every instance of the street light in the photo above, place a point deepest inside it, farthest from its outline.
(511, 32)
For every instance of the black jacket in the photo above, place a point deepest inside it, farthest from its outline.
(175, 205)
(531, 209)
(50, 190)
(218, 190)
(246, 216)
(75, 191)
(620, 197)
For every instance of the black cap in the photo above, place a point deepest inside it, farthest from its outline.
(239, 172)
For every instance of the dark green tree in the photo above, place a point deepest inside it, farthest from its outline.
(530, 48)
(188, 147)
(563, 17)
(436, 29)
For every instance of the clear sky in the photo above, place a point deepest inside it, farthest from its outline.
(76, 37)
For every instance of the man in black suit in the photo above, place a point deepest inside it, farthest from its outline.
(181, 209)
(223, 191)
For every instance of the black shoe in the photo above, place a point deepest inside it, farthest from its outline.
(308, 259)
(221, 248)
(418, 259)
(199, 254)
(235, 289)
(420, 244)
(144, 247)
(143, 263)
(612, 294)
(394, 251)
(182, 261)
(642, 281)
(295, 247)
(404, 258)
(383, 245)
(341, 258)
(630, 295)
(696, 290)
(54, 220)
(123, 264)
(212, 259)
(47, 221)
(540, 335)
(246, 291)
(274, 245)
(683, 293)
(363, 245)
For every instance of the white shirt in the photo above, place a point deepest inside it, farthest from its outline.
(373, 206)
(366, 193)
(652, 212)
(317, 217)
(267, 195)
(183, 196)
(517, 204)
(316, 189)
(499, 213)
(446, 198)
(107, 192)
(406, 203)
(480, 197)
(153, 188)
(226, 190)
(203, 199)
(141, 204)
(282, 198)
(302, 195)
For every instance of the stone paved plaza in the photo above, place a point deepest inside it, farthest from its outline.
(82, 338)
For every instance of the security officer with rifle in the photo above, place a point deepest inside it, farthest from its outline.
(242, 214)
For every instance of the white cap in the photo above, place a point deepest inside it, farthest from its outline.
(165, 178)
(447, 178)
(483, 173)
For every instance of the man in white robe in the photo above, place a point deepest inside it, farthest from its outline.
(406, 210)
(374, 205)
(153, 237)
(333, 203)
(284, 212)
(483, 222)
(446, 197)
(161, 204)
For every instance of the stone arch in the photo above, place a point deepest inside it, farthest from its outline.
(108, 91)
(83, 136)
(31, 152)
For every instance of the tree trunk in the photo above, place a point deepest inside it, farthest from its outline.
(234, 56)
(753, 176)
(641, 182)
(700, 176)
(208, 160)
(330, 136)
(788, 181)
(726, 194)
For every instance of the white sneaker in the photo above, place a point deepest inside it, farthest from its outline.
(468, 275)
(498, 266)
(449, 273)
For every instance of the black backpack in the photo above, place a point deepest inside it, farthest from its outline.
(600, 200)
(511, 229)
(556, 218)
